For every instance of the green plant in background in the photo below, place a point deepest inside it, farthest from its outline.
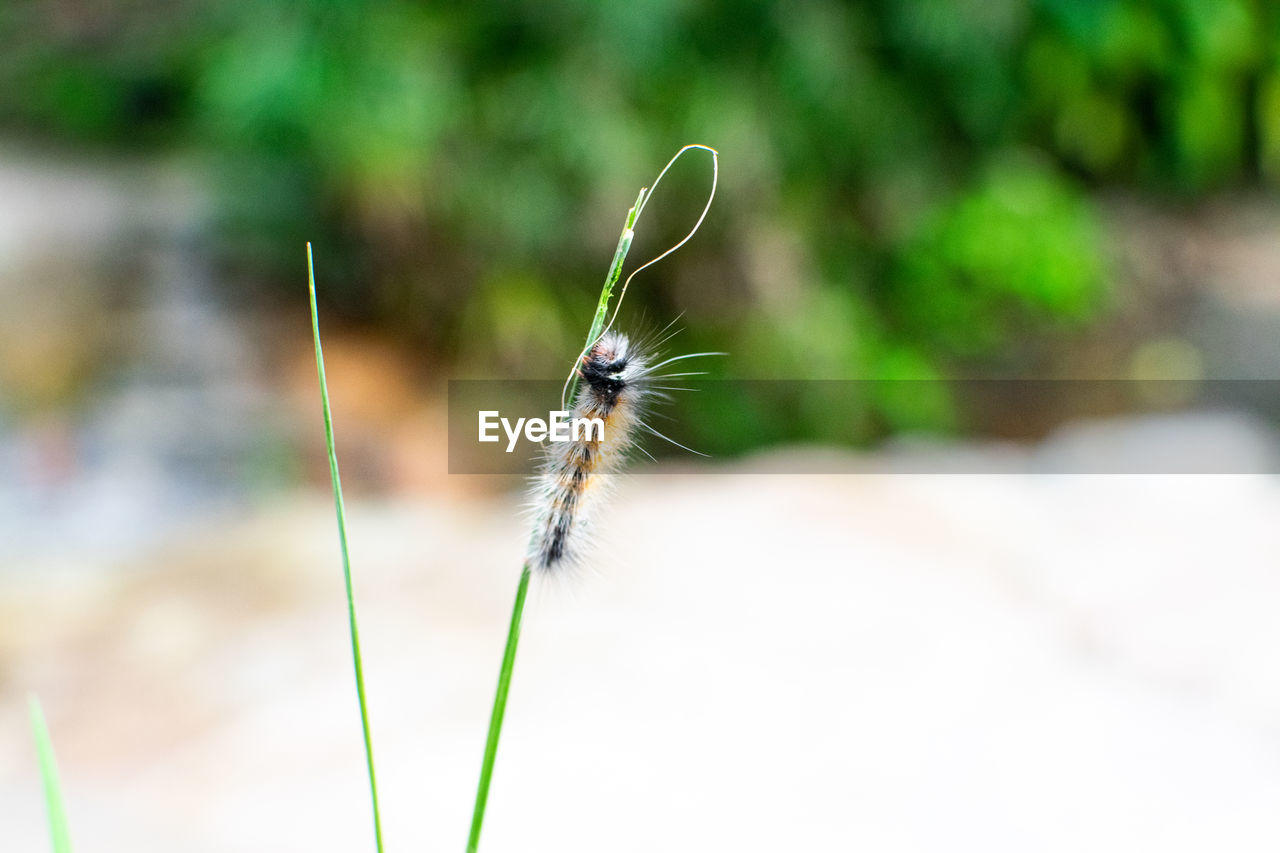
(59, 832)
(919, 177)
(1020, 249)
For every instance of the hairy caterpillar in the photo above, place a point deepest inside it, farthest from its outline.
(617, 386)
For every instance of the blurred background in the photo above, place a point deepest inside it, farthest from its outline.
(914, 196)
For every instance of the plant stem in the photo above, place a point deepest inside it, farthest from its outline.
(570, 391)
(499, 710)
(346, 557)
(517, 612)
(59, 834)
(606, 292)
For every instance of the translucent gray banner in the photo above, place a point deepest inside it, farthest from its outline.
(898, 426)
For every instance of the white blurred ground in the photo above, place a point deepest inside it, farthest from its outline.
(762, 662)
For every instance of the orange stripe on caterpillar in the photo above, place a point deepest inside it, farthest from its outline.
(614, 389)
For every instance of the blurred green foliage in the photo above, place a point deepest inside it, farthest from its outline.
(908, 185)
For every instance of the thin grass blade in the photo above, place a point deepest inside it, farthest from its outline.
(59, 833)
(567, 395)
(346, 556)
(517, 612)
(499, 711)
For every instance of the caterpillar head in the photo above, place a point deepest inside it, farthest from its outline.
(609, 368)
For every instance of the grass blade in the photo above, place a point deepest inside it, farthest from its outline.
(606, 293)
(346, 557)
(517, 613)
(58, 831)
(568, 393)
(499, 710)
(620, 255)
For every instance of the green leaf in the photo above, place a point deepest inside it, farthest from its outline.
(346, 556)
(58, 831)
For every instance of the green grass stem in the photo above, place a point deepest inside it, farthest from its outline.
(499, 710)
(517, 612)
(58, 831)
(606, 293)
(569, 392)
(346, 557)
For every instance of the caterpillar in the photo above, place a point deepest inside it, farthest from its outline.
(617, 385)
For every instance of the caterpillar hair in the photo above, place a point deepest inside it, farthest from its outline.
(617, 386)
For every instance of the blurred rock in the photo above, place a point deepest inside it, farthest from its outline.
(131, 398)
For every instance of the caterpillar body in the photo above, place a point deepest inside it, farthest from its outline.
(616, 386)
